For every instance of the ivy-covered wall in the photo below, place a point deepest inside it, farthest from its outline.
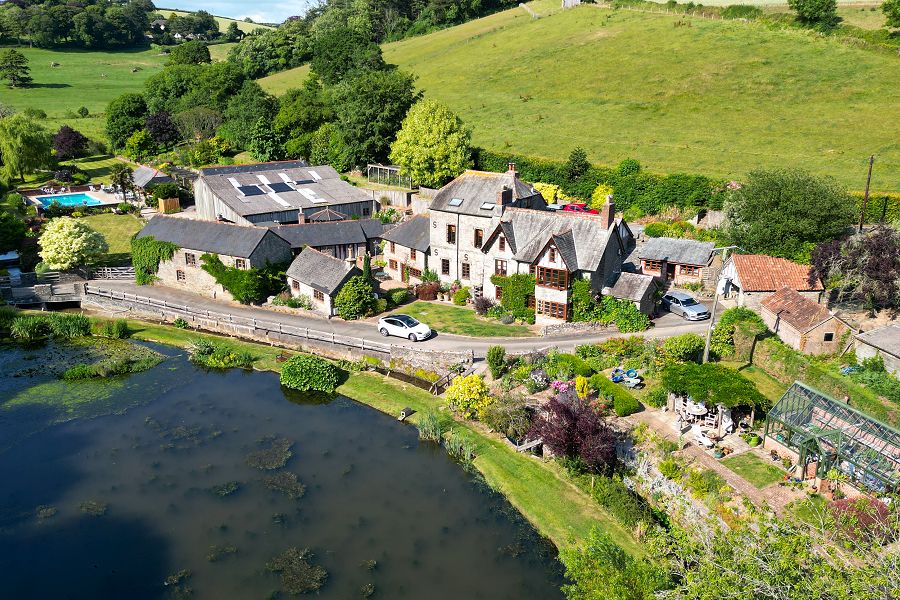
(146, 254)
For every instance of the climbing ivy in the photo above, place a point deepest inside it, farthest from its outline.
(146, 254)
(517, 289)
(245, 285)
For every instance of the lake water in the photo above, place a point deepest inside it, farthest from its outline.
(110, 506)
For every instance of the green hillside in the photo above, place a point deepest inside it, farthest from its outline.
(223, 22)
(709, 96)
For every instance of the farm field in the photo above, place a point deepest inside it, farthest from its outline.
(714, 97)
(83, 78)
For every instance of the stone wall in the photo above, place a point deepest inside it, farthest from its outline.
(561, 328)
(440, 362)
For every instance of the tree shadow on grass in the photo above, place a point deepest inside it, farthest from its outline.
(52, 86)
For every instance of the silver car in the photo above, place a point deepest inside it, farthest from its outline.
(685, 305)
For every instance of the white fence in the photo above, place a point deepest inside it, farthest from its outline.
(253, 327)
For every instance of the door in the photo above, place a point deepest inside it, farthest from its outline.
(670, 272)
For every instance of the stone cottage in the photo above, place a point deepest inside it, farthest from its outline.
(883, 341)
(407, 249)
(319, 277)
(752, 277)
(341, 239)
(236, 246)
(677, 260)
(803, 324)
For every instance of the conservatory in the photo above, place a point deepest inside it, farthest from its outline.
(827, 434)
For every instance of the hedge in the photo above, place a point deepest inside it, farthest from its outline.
(309, 373)
(623, 402)
(881, 207)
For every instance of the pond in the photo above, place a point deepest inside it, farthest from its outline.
(209, 477)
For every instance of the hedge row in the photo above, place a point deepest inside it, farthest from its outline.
(881, 207)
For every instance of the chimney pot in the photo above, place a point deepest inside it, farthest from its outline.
(511, 168)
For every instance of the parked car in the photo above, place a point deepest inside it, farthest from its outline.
(404, 326)
(580, 207)
(685, 305)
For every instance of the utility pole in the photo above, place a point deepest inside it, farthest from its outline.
(712, 317)
(862, 212)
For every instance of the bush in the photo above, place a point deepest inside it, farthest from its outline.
(214, 356)
(741, 11)
(309, 373)
(180, 323)
(428, 291)
(657, 397)
(355, 300)
(117, 330)
(517, 289)
(722, 338)
(671, 469)
(626, 405)
(398, 296)
(482, 305)
(620, 397)
(656, 229)
(565, 366)
(496, 360)
(687, 347)
(469, 396)
(509, 416)
(461, 296)
(627, 507)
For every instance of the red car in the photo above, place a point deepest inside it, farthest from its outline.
(581, 208)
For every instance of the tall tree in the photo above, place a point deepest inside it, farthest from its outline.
(815, 12)
(243, 111)
(189, 53)
(370, 110)
(69, 143)
(24, 146)
(891, 10)
(122, 177)
(432, 146)
(162, 129)
(344, 52)
(67, 243)
(124, 116)
(12, 232)
(14, 68)
(787, 213)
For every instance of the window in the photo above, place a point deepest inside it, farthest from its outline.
(190, 259)
(412, 254)
(414, 272)
(479, 238)
(295, 284)
(498, 294)
(393, 247)
(240, 263)
(501, 243)
(318, 295)
(179, 275)
(558, 279)
(552, 254)
(465, 270)
(500, 267)
(556, 310)
(392, 264)
(652, 265)
(451, 234)
(445, 266)
(829, 337)
(690, 270)
(367, 211)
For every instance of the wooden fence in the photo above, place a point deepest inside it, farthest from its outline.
(126, 273)
(253, 327)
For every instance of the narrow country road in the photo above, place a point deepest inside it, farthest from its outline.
(666, 326)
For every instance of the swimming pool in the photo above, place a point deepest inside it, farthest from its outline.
(79, 199)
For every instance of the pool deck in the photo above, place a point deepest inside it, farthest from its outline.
(106, 199)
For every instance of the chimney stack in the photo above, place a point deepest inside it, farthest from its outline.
(608, 212)
(511, 168)
(504, 196)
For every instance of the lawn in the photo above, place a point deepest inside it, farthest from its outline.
(99, 168)
(117, 230)
(754, 469)
(83, 78)
(716, 97)
(767, 385)
(460, 321)
(539, 490)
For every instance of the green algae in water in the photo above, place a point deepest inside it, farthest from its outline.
(93, 508)
(177, 584)
(219, 551)
(273, 457)
(46, 512)
(286, 483)
(367, 590)
(298, 574)
(226, 489)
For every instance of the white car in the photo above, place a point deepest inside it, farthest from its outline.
(404, 326)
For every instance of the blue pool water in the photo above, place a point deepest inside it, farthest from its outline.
(79, 199)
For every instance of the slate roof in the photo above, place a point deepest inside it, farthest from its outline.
(321, 271)
(629, 286)
(477, 188)
(677, 250)
(144, 176)
(580, 237)
(760, 273)
(414, 233)
(205, 236)
(326, 215)
(797, 311)
(331, 233)
(296, 186)
(886, 339)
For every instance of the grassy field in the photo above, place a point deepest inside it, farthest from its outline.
(223, 22)
(98, 167)
(460, 321)
(83, 78)
(767, 385)
(539, 490)
(117, 230)
(219, 52)
(754, 469)
(714, 97)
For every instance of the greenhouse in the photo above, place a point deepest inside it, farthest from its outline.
(827, 434)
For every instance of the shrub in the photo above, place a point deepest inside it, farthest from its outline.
(482, 305)
(656, 229)
(657, 397)
(307, 373)
(671, 469)
(627, 507)
(687, 347)
(355, 299)
(564, 366)
(380, 306)
(180, 323)
(619, 396)
(215, 356)
(741, 11)
(469, 396)
(496, 360)
(117, 330)
(722, 339)
(509, 416)
(461, 296)
(398, 296)
(428, 291)
(626, 405)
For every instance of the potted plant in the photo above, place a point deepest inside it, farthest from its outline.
(835, 478)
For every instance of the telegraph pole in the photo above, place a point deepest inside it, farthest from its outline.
(862, 212)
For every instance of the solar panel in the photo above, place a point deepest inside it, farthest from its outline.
(304, 181)
(250, 190)
(455, 202)
(280, 187)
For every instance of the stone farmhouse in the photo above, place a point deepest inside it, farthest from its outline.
(236, 246)
(884, 342)
(345, 240)
(803, 324)
(677, 260)
(752, 277)
(276, 193)
(407, 249)
(319, 277)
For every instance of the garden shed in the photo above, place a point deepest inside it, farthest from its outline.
(826, 434)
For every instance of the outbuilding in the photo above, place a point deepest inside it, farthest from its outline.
(884, 342)
(804, 325)
(319, 277)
